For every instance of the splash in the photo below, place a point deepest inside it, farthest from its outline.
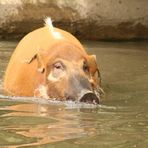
(67, 104)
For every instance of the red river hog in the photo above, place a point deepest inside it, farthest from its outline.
(51, 63)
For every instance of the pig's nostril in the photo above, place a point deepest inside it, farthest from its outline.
(90, 98)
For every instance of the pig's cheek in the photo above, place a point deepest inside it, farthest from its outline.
(41, 91)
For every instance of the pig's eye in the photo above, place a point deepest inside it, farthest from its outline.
(85, 67)
(58, 65)
(57, 71)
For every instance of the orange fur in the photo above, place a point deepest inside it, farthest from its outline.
(24, 74)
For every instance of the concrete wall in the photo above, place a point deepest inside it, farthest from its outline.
(86, 19)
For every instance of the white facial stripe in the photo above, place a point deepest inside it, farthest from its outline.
(51, 78)
(48, 23)
(54, 79)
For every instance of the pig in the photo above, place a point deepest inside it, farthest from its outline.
(51, 63)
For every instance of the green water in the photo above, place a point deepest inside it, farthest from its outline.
(120, 122)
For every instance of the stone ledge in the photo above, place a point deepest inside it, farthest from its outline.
(97, 20)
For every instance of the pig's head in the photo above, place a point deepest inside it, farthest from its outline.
(69, 74)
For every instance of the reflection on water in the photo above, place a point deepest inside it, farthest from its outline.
(120, 121)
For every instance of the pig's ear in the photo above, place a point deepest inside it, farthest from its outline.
(92, 62)
(30, 60)
(93, 68)
(41, 66)
(38, 56)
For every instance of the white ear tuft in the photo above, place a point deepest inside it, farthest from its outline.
(48, 23)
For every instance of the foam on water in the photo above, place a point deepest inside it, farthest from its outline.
(67, 104)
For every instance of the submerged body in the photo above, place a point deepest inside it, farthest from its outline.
(51, 63)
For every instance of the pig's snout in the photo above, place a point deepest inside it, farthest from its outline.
(90, 98)
(80, 90)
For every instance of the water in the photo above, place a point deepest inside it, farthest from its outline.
(120, 121)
